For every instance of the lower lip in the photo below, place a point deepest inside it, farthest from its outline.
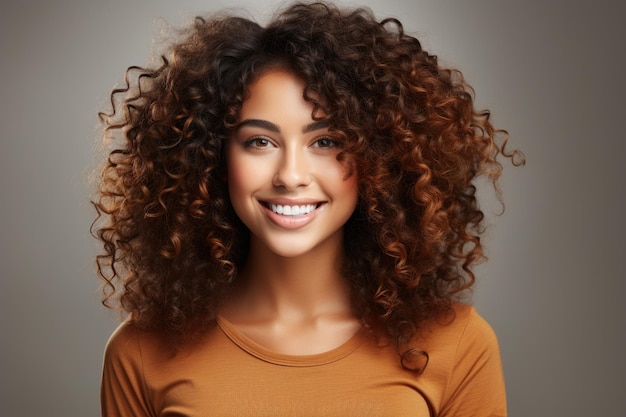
(291, 222)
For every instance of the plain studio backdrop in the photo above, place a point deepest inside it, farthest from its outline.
(551, 72)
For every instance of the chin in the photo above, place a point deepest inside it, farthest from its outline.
(290, 251)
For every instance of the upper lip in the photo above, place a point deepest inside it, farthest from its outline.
(291, 202)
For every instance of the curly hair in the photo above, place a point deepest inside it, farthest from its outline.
(172, 242)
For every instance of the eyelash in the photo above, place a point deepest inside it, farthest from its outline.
(254, 142)
(261, 142)
(331, 142)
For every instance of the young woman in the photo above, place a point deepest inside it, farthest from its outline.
(289, 219)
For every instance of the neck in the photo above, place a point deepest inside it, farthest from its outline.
(299, 288)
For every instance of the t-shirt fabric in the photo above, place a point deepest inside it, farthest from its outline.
(225, 373)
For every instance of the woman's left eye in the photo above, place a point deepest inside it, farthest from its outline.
(325, 142)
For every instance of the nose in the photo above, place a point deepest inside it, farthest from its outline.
(292, 170)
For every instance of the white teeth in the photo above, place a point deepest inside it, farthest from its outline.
(292, 210)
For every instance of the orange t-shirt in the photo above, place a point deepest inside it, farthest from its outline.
(227, 374)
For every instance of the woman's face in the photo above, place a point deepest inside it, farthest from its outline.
(284, 179)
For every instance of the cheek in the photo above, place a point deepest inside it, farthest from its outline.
(238, 174)
(344, 186)
(351, 189)
(344, 176)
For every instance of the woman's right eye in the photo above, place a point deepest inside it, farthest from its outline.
(257, 143)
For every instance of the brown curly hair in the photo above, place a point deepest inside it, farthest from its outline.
(172, 242)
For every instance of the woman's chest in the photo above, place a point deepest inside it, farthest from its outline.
(227, 380)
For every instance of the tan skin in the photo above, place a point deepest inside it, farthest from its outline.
(293, 299)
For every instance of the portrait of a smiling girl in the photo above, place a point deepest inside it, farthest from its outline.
(289, 221)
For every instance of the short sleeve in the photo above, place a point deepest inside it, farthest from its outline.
(122, 390)
(476, 384)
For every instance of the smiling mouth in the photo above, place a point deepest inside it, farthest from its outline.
(292, 210)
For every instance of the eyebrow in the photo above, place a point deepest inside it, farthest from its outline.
(264, 124)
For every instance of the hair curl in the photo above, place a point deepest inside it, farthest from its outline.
(172, 243)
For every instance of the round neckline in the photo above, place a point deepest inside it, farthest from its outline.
(264, 354)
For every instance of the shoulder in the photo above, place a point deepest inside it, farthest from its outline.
(151, 356)
(129, 345)
(462, 328)
(464, 374)
(128, 358)
(473, 329)
(123, 347)
(122, 336)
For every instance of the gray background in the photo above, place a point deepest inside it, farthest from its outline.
(552, 74)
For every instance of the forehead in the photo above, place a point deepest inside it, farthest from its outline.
(275, 84)
(276, 94)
